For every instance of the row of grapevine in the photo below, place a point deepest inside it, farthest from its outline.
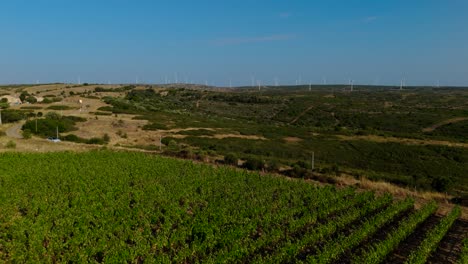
(464, 253)
(433, 238)
(332, 250)
(379, 251)
(284, 232)
(241, 244)
(293, 248)
(128, 207)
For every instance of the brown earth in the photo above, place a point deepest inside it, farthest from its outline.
(443, 123)
(407, 141)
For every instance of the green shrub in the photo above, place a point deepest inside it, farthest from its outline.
(11, 144)
(254, 164)
(441, 184)
(59, 107)
(231, 159)
(27, 134)
(106, 138)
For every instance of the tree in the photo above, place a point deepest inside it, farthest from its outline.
(441, 184)
(23, 96)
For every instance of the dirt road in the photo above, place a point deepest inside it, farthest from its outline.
(15, 130)
(443, 123)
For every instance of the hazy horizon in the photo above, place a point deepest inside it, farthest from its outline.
(235, 42)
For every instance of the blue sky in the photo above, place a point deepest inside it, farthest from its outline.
(373, 42)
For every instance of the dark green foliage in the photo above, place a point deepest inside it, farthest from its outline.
(11, 144)
(231, 159)
(155, 126)
(454, 130)
(49, 100)
(441, 184)
(105, 108)
(59, 107)
(166, 140)
(27, 134)
(31, 107)
(92, 141)
(318, 119)
(253, 163)
(31, 99)
(48, 127)
(102, 114)
(10, 116)
(120, 89)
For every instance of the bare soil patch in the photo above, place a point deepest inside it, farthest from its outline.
(407, 141)
(443, 123)
(292, 139)
(301, 114)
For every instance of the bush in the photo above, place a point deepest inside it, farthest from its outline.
(172, 145)
(59, 107)
(10, 116)
(231, 159)
(11, 144)
(106, 138)
(31, 99)
(73, 138)
(53, 116)
(122, 134)
(95, 141)
(167, 140)
(254, 164)
(27, 134)
(441, 184)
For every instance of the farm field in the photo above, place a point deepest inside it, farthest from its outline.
(104, 206)
(415, 138)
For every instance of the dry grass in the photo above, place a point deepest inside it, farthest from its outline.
(221, 136)
(406, 141)
(292, 139)
(420, 197)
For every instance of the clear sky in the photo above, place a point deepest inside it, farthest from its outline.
(369, 41)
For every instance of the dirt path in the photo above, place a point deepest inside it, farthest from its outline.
(443, 123)
(15, 130)
(198, 102)
(407, 141)
(301, 114)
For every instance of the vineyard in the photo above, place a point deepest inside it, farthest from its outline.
(117, 207)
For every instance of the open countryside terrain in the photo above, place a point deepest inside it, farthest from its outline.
(411, 143)
(104, 206)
